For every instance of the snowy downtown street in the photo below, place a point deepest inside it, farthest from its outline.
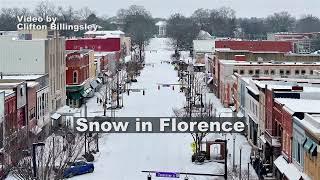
(159, 90)
(124, 156)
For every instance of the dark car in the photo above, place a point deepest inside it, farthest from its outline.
(78, 168)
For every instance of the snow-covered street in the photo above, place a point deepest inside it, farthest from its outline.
(124, 156)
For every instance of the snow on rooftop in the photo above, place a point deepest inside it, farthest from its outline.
(117, 32)
(312, 123)
(161, 23)
(103, 53)
(254, 63)
(300, 105)
(23, 77)
(32, 84)
(7, 92)
(289, 170)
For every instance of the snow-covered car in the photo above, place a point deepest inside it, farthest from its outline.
(78, 168)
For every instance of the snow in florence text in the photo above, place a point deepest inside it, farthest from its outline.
(159, 125)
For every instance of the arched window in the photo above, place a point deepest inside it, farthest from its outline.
(75, 77)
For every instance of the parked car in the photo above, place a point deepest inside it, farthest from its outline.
(78, 168)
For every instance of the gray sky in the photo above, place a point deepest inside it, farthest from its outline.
(163, 8)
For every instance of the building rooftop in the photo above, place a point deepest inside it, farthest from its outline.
(255, 63)
(23, 77)
(117, 32)
(311, 122)
(7, 92)
(300, 105)
(161, 23)
(32, 84)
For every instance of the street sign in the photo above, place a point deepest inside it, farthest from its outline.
(168, 174)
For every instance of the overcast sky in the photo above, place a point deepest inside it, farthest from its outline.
(164, 8)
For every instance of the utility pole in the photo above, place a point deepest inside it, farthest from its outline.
(248, 171)
(240, 163)
(226, 159)
(105, 99)
(85, 134)
(118, 87)
(234, 153)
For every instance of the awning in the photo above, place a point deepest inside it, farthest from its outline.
(281, 164)
(307, 145)
(55, 116)
(36, 130)
(313, 150)
(210, 80)
(262, 139)
(99, 80)
(253, 90)
(289, 170)
(75, 95)
(86, 92)
(108, 73)
(94, 84)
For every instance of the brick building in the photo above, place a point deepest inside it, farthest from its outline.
(275, 46)
(77, 77)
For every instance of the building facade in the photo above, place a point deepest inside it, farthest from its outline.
(37, 56)
(78, 78)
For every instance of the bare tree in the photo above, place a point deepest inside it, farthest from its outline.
(45, 8)
(52, 158)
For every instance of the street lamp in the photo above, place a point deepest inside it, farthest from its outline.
(240, 163)
(234, 142)
(34, 161)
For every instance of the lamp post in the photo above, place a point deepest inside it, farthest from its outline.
(240, 163)
(34, 161)
(234, 142)
(53, 138)
(225, 136)
(234, 153)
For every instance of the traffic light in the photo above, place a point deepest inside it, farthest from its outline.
(143, 92)
(186, 178)
(149, 177)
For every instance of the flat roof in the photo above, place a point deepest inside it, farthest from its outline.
(7, 92)
(312, 123)
(116, 32)
(300, 105)
(23, 77)
(276, 63)
(32, 84)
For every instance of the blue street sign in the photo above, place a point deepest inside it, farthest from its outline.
(168, 174)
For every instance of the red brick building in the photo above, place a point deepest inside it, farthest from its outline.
(275, 46)
(96, 44)
(77, 77)
(11, 124)
(32, 103)
(77, 64)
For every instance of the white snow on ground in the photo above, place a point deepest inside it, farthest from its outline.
(124, 156)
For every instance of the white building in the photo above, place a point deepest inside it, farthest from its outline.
(162, 28)
(37, 56)
(225, 69)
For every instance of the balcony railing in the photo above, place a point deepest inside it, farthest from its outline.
(273, 140)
